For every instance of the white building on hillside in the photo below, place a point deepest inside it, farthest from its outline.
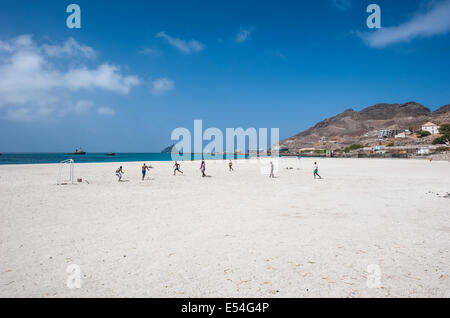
(403, 134)
(430, 127)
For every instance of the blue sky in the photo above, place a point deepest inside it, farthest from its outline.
(136, 70)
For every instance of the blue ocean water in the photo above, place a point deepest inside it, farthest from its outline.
(37, 158)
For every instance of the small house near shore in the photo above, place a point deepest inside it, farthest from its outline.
(423, 151)
(431, 128)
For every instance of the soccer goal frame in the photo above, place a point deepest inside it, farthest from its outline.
(63, 178)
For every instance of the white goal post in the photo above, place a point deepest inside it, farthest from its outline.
(65, 175)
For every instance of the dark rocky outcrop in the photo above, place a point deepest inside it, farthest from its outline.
(170, 149)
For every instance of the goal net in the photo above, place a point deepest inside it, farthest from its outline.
(65, 174)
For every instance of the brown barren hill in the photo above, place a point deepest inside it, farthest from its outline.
(364, 126)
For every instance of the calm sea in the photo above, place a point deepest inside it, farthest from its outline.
(36, 158)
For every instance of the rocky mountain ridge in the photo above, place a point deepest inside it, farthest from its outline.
(364, 126)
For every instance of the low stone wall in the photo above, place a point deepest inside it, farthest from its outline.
(441, 156)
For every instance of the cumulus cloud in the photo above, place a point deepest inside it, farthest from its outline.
(187, 47)
(435, 21)
(107, 77)
(244, 35)
(341, 5)
(162, 85)
(106, 111)
(33, 87)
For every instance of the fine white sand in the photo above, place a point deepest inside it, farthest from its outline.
(234, 234)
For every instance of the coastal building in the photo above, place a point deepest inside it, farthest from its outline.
(388, 133)
(306, 150)
(431, 128)
(403, 134)
(423, 151)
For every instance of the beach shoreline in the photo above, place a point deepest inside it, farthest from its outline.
(435, 158)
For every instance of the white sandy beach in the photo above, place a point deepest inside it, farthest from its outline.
(235, 234)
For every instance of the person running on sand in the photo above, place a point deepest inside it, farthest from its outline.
(316, 171)
(203, 168)
(119, 173)
(271, 170)
(177, 168)
(230, 165)
(144, 170)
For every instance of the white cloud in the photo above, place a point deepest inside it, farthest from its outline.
(5, 47)
(187, 47)
(22, 41)
(70, 48)
(162, 85)
(106, 111)
(435, 21)
(107, 77)
(341, 5)
(30, 113)
(244, 35)
(33, 87)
